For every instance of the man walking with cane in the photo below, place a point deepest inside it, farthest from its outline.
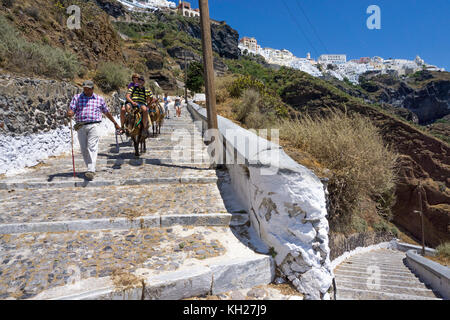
(88, 108)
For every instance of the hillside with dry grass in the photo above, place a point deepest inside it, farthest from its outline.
(420, 157)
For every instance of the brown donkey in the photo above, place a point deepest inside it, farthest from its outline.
(156, 114)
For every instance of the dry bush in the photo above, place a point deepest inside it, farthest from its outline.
(247, 105)
(256, 120)
(222, 83)
(353, 149)
(33, 12)
(111, 76)
(221, 95)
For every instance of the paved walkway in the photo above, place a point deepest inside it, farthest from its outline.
(379, 275)
(155, 215)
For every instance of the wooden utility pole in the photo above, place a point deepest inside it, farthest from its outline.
(208, 64)
(421, 218)
(185, 78)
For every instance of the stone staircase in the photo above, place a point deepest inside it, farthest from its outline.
(379, 275)
(154, 227)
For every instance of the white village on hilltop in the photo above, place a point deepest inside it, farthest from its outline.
(335, 65)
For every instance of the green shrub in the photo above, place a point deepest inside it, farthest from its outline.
(111, 76)
(242, 83)
(358, 224)
(42, 59)
(195, 80)
(443, 250)
(383, 226)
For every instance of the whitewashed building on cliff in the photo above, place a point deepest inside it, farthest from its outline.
(332, 58)
(147, 4)
(184, 9)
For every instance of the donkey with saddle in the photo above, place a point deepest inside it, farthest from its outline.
(141, 109)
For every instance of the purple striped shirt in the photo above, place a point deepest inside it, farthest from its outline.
(88, 109)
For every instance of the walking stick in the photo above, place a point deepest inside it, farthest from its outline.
(73, 158)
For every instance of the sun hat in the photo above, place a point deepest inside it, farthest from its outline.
(88, 84)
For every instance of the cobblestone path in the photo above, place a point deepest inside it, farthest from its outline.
(158, 213)
(379, 275)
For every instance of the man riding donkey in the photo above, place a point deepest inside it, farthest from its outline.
(138, 97)
(88, 108)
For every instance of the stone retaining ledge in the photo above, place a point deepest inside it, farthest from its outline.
(103, 183)
(432, 273)
(181, 284)
(406, 247)
(202, 219)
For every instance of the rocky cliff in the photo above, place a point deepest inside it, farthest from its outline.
(178, 53)
(426, 94)
(224, 39)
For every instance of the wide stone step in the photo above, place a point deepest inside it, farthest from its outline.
(398, 289)
(55, 174)
(149, 263)
(365, 262)
(397, 266)
(380, 254)
(345, 293)
(365, 273)
(356, 278)
(385, 280)
(392, 271)
(67, 181)
(111, 207)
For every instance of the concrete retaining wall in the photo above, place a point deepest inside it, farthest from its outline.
(286, 203)
(406, 246)
(430, 272)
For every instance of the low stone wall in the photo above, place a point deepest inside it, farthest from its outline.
(285, 201)
(339, 243)
(391, 245)
(33, 125)
(432, 273)
(33, 105)
(406, 247)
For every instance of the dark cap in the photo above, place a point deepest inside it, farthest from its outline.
(88, 84)
(141, 78)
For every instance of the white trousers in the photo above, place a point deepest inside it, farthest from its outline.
(88, 138)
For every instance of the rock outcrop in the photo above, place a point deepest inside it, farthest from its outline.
(427, 94)
(224, 39)
(178, 54)
(113, 8)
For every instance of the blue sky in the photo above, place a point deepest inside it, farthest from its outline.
(408, 27)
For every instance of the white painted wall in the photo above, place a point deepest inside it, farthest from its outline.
(19, 152)
(287, 208)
